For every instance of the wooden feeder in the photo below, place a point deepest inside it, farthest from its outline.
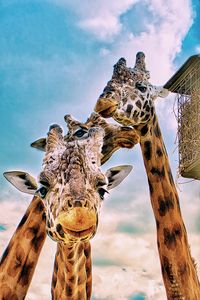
(186, 84)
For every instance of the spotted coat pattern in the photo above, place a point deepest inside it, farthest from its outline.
(129, 98)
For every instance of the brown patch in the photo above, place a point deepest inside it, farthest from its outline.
(177, 202)
(145, 104)
(17, 262)
(55, 266)
(71, 255)
(178, 230)
(72, 279)
(171, 180)
(146, 117)
(81, 264)
(152, 112)
(36, 238)
(171, 236)
(81, 295)
(6, 293)
(150, 187)
(138, 104)
(108, 136)
(158, 172)
(157, 131)
(87, 252)
(59, 230)
(39, 207)
(23, 221)
(80, 250)
(37, 241)
(88, 271)
(68, 290)
(169, 239)
(167, 269)
(147, 150)
(81, 279)
(54, 281)
(26, 272)
(159, 152)
(157, 224)
(183, 268)
(50, 233)
(148, 108)
(44, 216)
(6, 252)
(32, 231)
(165, 205)
(144, 130)
(88, 289)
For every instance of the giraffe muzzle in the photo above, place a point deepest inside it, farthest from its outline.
(78, 222)
(106, 107)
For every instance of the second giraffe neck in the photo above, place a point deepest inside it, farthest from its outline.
(178, 269)
(72, 277)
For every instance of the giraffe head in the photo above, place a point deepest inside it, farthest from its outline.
(71, 183)
(129, 96)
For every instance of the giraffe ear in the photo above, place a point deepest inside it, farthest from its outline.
(22, 181)
(39, 144)
(117, 174)
(162, 92)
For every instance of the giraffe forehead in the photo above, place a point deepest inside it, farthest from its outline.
(78, 158)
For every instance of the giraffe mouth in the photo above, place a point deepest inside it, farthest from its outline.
(80, 233)
(106, 107)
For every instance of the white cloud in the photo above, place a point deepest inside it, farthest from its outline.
(128, 263)
(104, 51)
(197, 49)
(162, 39)
(166, 28)
(100, 17)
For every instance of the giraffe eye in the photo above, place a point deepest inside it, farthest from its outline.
(42, 192)
(80, 132)
(102, 192)
(141, 87)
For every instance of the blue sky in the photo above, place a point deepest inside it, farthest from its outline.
(55, 59)
(56, 56)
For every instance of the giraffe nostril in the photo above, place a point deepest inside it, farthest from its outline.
(69, 203)
(86, 204)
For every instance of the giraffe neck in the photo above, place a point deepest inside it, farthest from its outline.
(20, 258)
(72, 276)
(178, 269)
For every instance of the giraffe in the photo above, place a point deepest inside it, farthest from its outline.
(20, 258)
(129, 98)
(73, 253)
